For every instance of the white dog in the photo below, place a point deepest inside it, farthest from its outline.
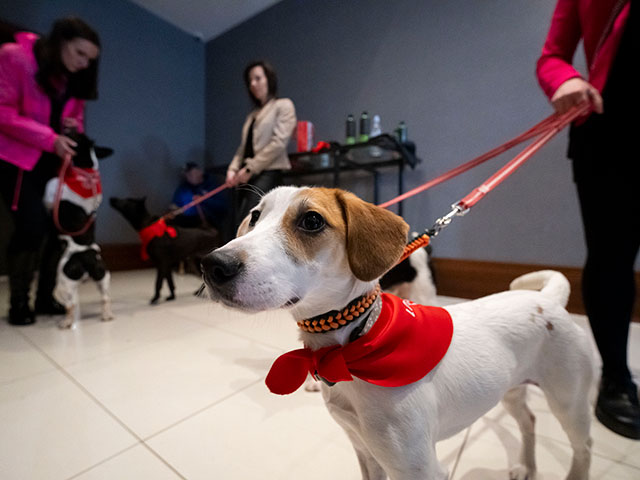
(313, 251)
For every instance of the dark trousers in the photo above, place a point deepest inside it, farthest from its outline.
(247, 196)
(611, 218)
(33, 227)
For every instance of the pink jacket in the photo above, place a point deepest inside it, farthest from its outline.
(573, 20)
(25, 108)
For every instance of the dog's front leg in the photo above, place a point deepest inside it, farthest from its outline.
(72, 316)
(66, 292)
(401, 439)
(172, 288)
(104, 287)
(369, 467)
(408, 462)
(159, 278)
(345, 416)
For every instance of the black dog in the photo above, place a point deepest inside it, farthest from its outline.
(74, 198)
(165, 245)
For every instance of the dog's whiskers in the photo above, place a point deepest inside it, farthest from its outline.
(252, 188)
(200, 291)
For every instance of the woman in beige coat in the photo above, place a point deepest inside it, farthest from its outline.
(262, 154)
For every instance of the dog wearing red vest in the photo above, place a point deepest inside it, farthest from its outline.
(163, 244)
(399, 377)
(74, 197)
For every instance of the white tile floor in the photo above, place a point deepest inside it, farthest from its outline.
(176, 391)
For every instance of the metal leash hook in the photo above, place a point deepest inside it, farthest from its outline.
(458, 210)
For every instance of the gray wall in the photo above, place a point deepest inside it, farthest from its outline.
(150, 105)
(460, 73)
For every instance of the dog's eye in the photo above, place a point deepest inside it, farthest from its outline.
(312, 222)
(255, 215)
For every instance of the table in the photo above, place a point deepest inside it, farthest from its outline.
(379, 152)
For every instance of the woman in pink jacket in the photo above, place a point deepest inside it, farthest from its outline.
(43, 85)
(606, 170)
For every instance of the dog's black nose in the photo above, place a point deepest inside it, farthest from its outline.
(219, 267)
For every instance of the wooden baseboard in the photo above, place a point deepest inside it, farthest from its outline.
(123, 256)
(474, 279)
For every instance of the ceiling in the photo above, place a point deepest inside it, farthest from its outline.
(205, 19)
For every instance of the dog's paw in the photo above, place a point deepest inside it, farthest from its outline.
(311, 385)
(107, 317)
(520, 472)
(65, 323)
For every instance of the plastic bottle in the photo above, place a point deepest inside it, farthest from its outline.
(350, 137)
(365, 127)
(401, 132)
(376, 130)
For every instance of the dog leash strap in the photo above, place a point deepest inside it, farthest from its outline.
(198, 200)
(542, 127)
(496, 179)
(66, 162)
(546, 130)
(462, 207)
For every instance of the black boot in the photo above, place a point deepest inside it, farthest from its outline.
(21, 267)
(618, 408)
(49, 306)
(45, 303)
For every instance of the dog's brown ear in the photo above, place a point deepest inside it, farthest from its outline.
(244, 226)
(375, 236)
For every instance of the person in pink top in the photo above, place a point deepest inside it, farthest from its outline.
(606, 169)
(44, 82)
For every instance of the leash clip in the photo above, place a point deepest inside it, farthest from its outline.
(458, 210)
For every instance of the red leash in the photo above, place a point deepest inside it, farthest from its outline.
(553, 123)
(545, 131)
(159, 227)
(192, 203)
(92, 179)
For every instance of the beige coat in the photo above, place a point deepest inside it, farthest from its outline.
(275, 123)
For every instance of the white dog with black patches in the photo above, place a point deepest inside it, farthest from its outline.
(397, 376)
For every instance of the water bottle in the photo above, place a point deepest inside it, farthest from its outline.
(365, 127)
(376, 130)
(401, 132)
(351, 130)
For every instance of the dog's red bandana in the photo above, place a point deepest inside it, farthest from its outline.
(83, 181)
(405, 343)
(156, 229)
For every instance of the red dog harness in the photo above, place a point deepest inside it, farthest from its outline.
(83, 181)
(405, 343)
(156, 229)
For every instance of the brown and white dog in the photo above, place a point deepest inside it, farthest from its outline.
(313, 250)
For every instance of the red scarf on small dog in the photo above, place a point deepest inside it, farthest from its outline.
(156, 229)
(83, 181)
(405, 343)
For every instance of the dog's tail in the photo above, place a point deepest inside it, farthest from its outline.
(549, 282)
